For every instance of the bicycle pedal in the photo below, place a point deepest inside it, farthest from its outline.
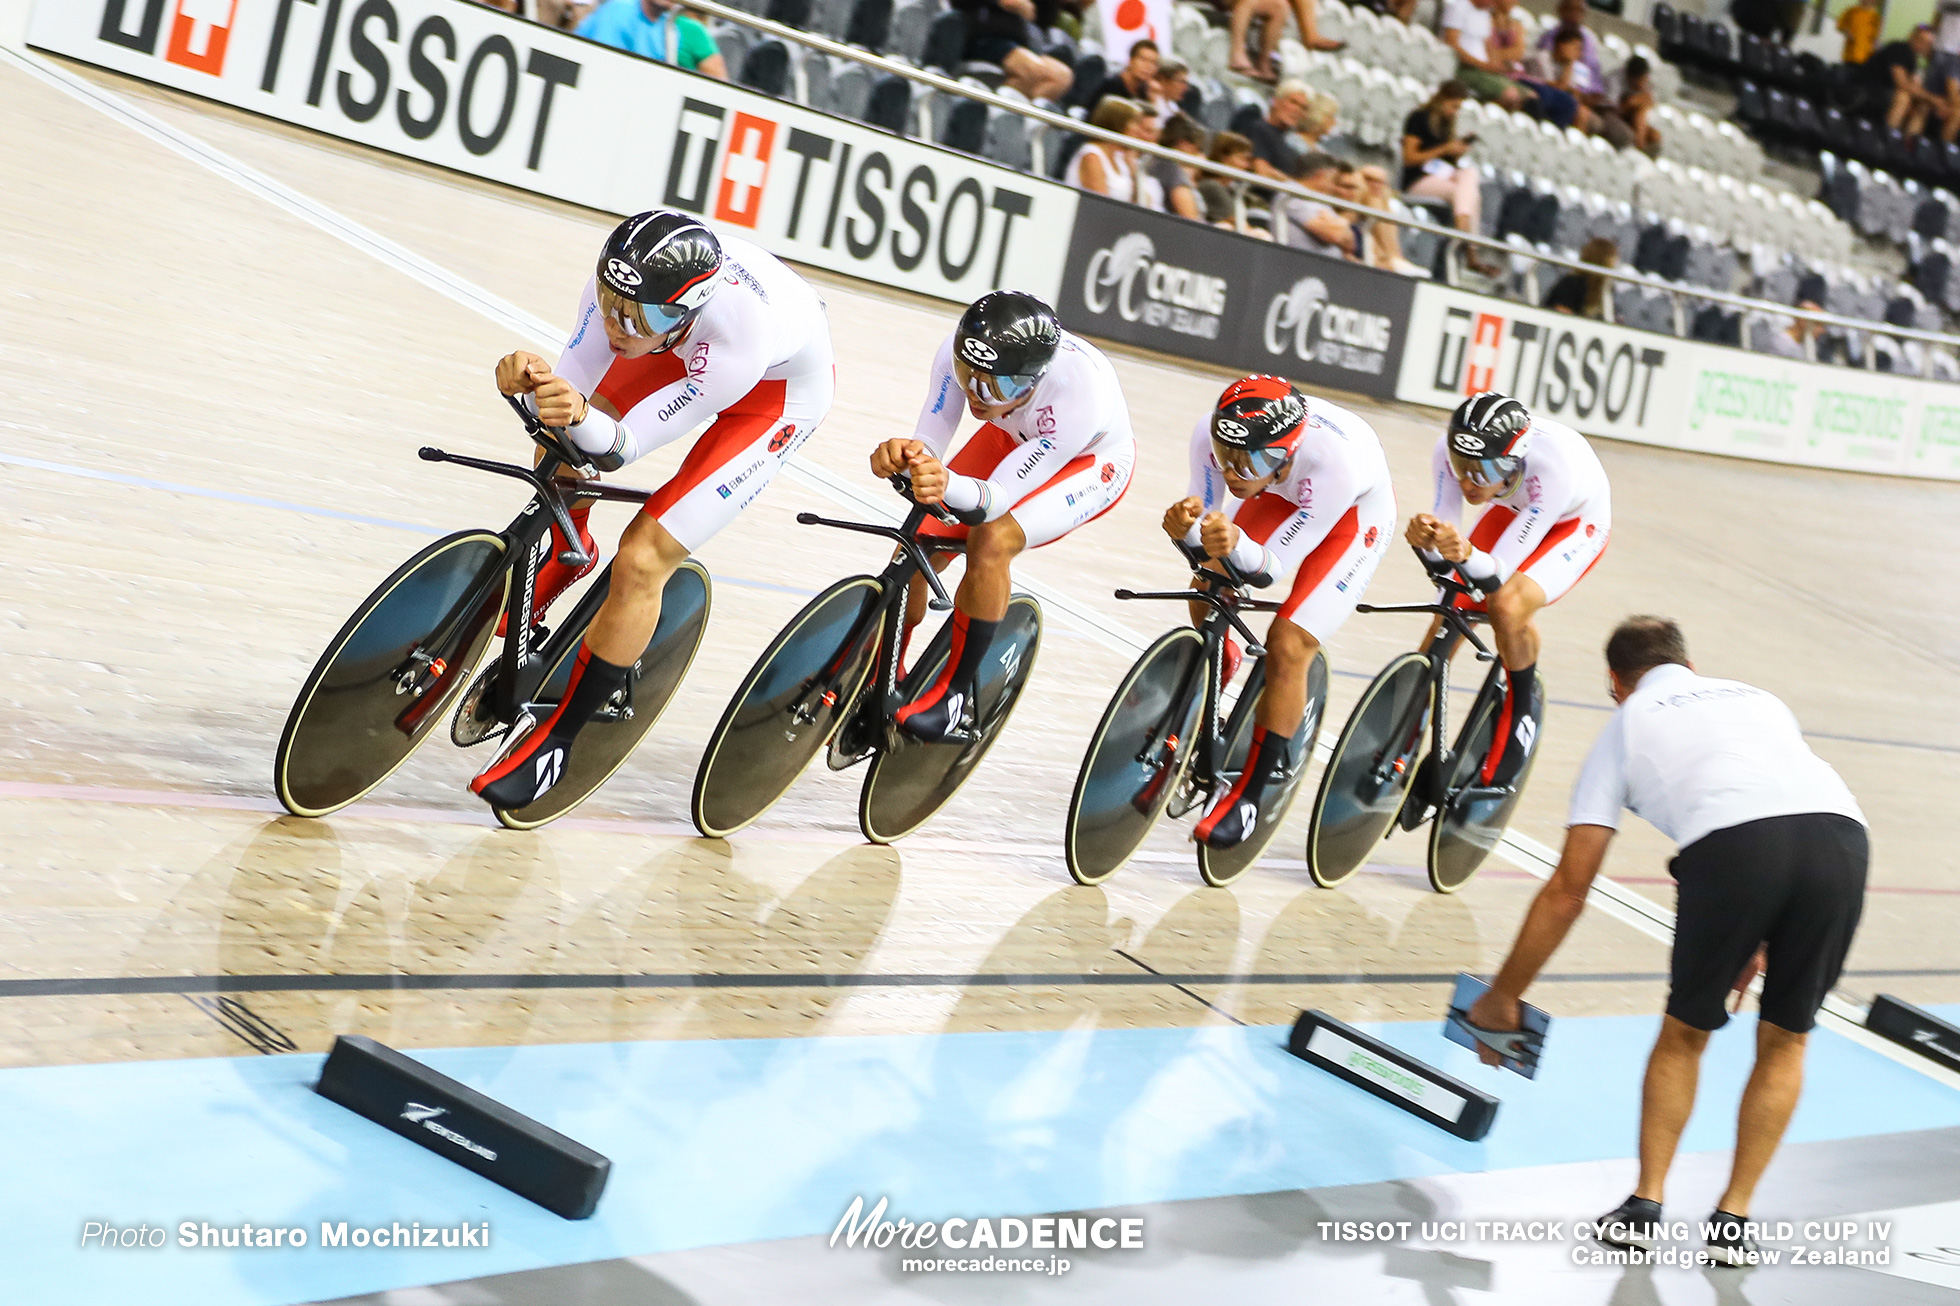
(474, 722)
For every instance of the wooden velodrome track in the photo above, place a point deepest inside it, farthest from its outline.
(209, 458)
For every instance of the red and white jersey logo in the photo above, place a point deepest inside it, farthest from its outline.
(199, 31)
(745, 170)
(1486, 341)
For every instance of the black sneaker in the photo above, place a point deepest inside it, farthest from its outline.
(1634, 1224)
(1729, 1242)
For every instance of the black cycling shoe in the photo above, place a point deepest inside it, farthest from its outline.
(1517, 730)
(1633, 1224)
(1730, 1243)
(948, 720)
(1417, 808)
(1234, 817)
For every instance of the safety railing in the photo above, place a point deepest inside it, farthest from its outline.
(940, 82)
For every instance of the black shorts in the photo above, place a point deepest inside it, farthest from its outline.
(991, 49)
(1796, 883)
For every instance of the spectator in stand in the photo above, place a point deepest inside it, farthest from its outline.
(1272, 154)
(1789, 340)
(1220, 194)
(1382, 239)
(1586, 294)
(1150, 188)
(1894, 82)
(1403, 11)
(1103, 167)
(1007, 32)
(1179, 181)
(564, 14)
(1171, 93)
(1313, 224)
(1137, 79)
(1633, 104)
(1433, 166)
(1468, 27)
(656, 29)
(1942, 81)
(1562, 75)
(1572, 13)
(1860, 25)
(1323, 111)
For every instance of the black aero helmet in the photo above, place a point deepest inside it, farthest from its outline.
(1256, 425)
(1489, 436)
(656, 272)
(1004, 343)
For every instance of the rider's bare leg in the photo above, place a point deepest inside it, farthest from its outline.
(648, 557)
(1290, 651)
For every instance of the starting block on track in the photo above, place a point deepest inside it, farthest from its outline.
(1922, 1031)
(1391, 1075)
(455, 1121)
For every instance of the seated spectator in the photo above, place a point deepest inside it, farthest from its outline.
(1178, 182)
(1789, 341)
(1313, 224)
(1323, 111)
(656, 29)
(1894, 82)
(1860, 25)
(1586, 294)
(1305, 13)
(1103, 167)
(1150, 187)
(1468, 26)
(1172, 92)
(1572, 13)
(1561, 77)
(1221, 194)
(1135, 80)
(1631, 93)
(1433, 166)
(1272, 154)
(1007, 32)
(1381, 244)
(565, 15)
(1942, 81)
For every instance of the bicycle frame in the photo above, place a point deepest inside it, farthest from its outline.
(1221, 591)
(521, 669)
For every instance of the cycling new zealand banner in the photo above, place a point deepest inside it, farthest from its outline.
(1200, 292)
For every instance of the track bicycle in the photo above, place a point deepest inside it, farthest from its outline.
(404, 658)
(1165, 745)
(831, 680)
(1379, 775)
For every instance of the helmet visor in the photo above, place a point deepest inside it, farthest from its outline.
(1249, 464)
(647, 321)
(1492, 473)
(987, 388)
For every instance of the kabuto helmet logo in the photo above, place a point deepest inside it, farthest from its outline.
(1228, 430)
(1468, 443)
(623, 276)
(978, 352)
(1326, 332)
(1177, 299)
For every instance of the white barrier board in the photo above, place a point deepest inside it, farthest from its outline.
(466, 87)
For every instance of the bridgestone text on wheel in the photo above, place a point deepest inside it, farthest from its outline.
(391, 674)
(1136, 757)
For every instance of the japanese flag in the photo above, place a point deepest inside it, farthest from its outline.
(1125, 22)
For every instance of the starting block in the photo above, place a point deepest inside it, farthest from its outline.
(1922, 1031)
(455, 1121)
(1393, 1076)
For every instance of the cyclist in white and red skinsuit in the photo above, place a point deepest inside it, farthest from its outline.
(1279, 483)
(677, 327)
(1548, 513)
(1054, 451)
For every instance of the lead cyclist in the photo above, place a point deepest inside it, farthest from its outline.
(677, 327)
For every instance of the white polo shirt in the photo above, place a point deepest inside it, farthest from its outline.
(1693, 755)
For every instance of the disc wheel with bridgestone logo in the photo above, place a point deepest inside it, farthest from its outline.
(908, 781)
(616, 729)
(1137, 756)
(1466, 831)
(788, 707)
(1368, 773)
(1218, 867)
(390, 674)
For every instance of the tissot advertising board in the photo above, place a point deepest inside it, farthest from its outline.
(1193, 290)
(466, 87)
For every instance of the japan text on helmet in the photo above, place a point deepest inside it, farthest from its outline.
(656, 272)
(1489, 437)
(1256, 425)
(1004, 343)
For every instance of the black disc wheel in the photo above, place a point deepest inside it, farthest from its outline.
(1137, 756)
(1220, 866)
(909, 781)
(789, 706)
(616, 729)
(1473, 819)
(391, 673)
(1367, 776)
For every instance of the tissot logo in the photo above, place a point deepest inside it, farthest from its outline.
(745, 171)
(1580, 371)
(200, 30)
